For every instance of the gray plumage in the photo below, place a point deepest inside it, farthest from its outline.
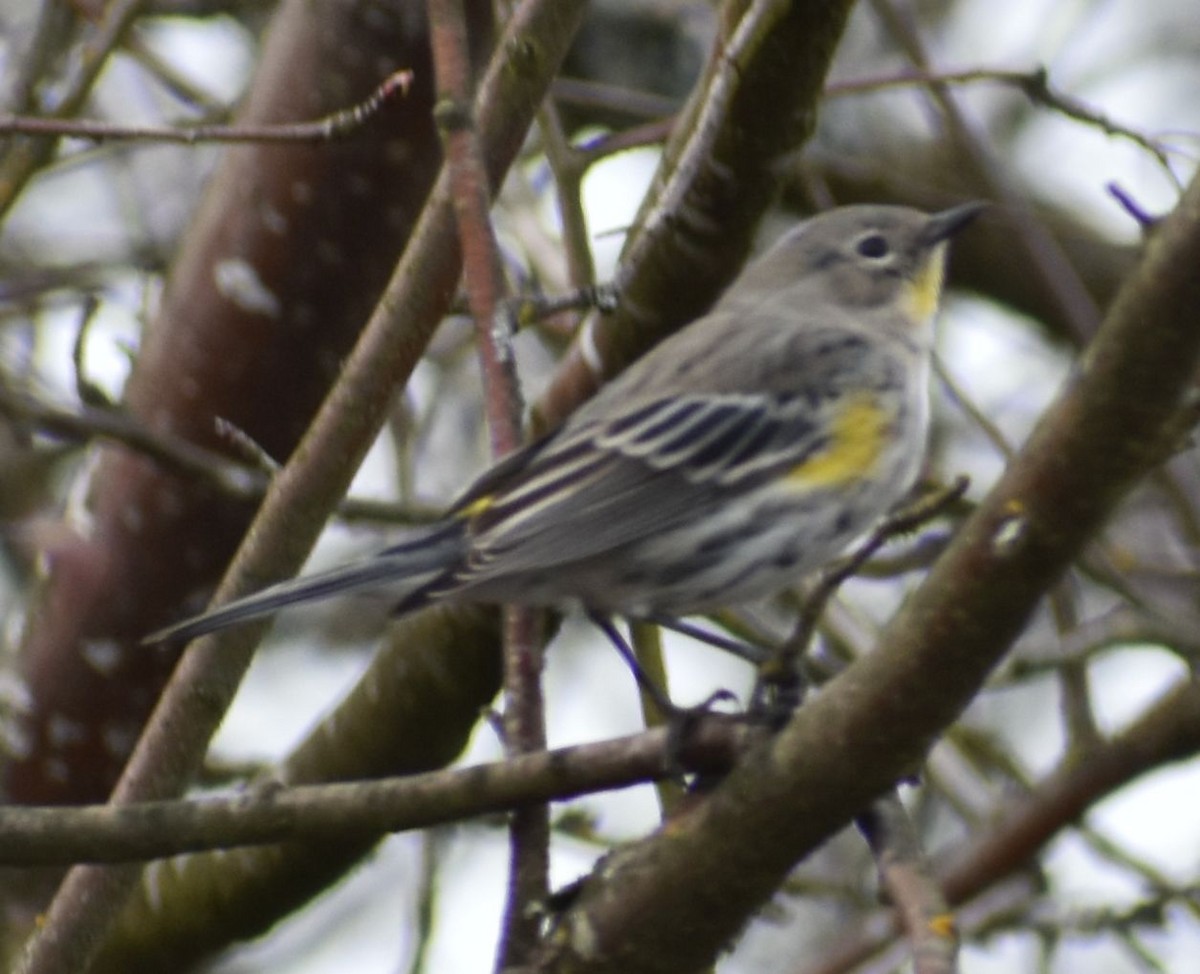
(708, 472)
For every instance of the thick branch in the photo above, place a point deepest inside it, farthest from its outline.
(1169, 731)
(873, 724)
(311, 484)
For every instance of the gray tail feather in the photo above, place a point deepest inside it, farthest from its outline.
(403, 569)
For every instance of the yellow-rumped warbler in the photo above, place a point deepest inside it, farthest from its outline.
(742, 452)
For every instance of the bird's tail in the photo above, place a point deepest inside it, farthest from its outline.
(402, 570)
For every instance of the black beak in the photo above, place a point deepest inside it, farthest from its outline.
(944, 225)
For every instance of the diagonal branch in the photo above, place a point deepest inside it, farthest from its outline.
(1101, 436)
(308, 488)
(718, 176)
(1168, 731)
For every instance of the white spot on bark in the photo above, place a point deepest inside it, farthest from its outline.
(239, 283)
(1009, 534)
(118, 740)
(194, 557)
(14, 634)
(398, 153)
(102, 655)
(330, 252)
(303, 315)
(14, 694)
(169, 501)
(132, 518)
(502, 332)
(57, 770)
(15, 740)
(161, 420)
(359, 185)
(274, 221)
(63, 731)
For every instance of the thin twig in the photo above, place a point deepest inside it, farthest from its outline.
(779, 677)
(344, 810)
(1057, 275)
(568, 166)
(1035, 85)
(589, 93)
(23, 159)
(337, 125)
(483, 272)
(239, 481)
(905, 873)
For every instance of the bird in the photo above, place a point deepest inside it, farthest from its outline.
(741, 453)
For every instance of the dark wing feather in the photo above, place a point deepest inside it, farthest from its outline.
(722, 438)
(644, 470)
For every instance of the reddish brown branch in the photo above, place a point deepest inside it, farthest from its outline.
(524, 711)
(312, 482)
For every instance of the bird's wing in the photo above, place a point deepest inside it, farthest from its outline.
(644, 469)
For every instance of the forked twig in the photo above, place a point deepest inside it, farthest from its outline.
(780, 683)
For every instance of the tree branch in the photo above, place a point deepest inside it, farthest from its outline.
(1095, 442)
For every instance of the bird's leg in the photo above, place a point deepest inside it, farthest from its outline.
(782, 680)
(657, 694)
(679, 720)
(528, 308)
(756, 655)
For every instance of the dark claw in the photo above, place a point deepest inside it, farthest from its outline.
(681, 721)
(778, 691)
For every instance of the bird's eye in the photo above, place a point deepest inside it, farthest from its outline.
(873, 246)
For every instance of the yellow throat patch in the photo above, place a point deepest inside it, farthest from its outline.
(856, 440)
(919, 297)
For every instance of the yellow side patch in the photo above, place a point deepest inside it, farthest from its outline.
(856, 440)
(943, 925)
(920, 296)
(477, 507)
